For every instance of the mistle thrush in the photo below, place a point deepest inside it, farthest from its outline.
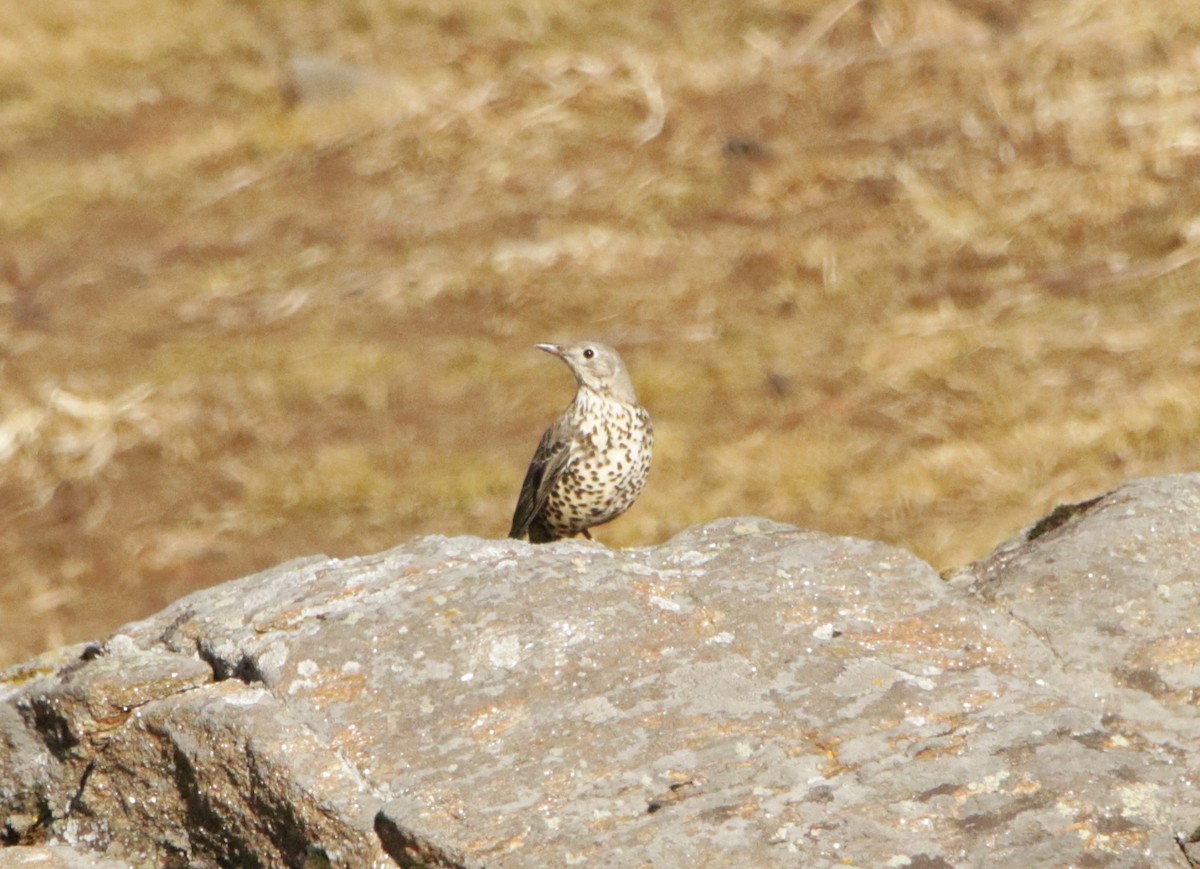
(592, 463)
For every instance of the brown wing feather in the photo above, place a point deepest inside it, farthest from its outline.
(551, 457)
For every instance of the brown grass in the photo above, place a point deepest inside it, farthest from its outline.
(913, 270)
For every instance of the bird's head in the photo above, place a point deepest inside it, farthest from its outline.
(597, 367)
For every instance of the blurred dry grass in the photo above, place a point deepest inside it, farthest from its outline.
(913, 270)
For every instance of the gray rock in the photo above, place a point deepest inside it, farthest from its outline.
(747, 694)
(54, 857)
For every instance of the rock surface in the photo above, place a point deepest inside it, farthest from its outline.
(54, 857)
(746, 694)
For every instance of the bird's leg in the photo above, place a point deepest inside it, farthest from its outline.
(587, 534)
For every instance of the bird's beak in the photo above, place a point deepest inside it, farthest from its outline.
(552, 349)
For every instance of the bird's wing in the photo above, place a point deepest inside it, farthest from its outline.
(550, 459)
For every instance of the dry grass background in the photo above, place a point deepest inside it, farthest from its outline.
(912, 270)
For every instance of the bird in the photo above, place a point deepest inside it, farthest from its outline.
(592, 463)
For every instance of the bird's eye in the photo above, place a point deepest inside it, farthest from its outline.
(589, 353)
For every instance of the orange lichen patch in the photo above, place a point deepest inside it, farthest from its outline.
(605, 823)
(943, 748)
(835, 768)
(678, 790)
(828, 747)
(558, 783)
(287, 620)
(445, 619)
(802, 744)
(746, 809)
(107, 723)
(949, 644)
(1025, 784)
(283, 620)
(19, 675)
(1180, 650)
(708, 620)
(493, 721)
(979, 700)
(801, 612)
(336, 688)
(1100, 834)
(648, 589)
(494, 845)
(952, 741)
(1041, 707)
(354, 744)
(445, 802)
